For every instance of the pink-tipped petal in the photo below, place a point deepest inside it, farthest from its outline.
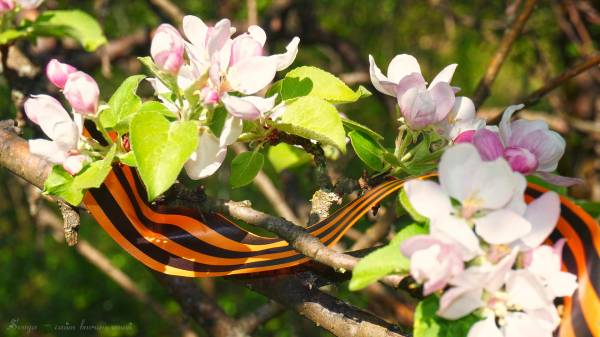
(167, 48)
(58, 72)
(82, 92)
(380, 81)
(252, 74)
(443, 96)
(488, 144)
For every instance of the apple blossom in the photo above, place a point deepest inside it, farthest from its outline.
(63, 131)
(528, 146)
(167, 48)
(421, 105)
(58, 72)
(544, 262)
(82, 92)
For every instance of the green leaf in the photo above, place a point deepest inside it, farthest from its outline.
(128, 159)
(155, 106)
(410, 209)
(167, 78)
(352, 125)
(13, 34)
(72, 189)
(384, 261)
(314, 118)
(244, 167)
(311, 81)
(123, 104)
(591, 207)
(72, 23)
(368, 150)
(284, 156)
(161, 148)
(428, 324)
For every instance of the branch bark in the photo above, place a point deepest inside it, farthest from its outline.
(493, 68)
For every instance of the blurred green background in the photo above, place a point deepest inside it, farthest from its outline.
(46, 284)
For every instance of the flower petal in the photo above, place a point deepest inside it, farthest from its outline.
(208, 157)
(380, 81)
(195, 30)
(258, 34)
(218, 36)
(444, 76)
(456, 167)
(560, 180)
(488, 144)
(414, 80)
(46, 111)
(282, 61)
(485, 328)
(505, 123)
(519, 324)
(458, 232)
(525, 290)
(232, 129)
(443, 96)
(543, 214)
(562, 284)
(252, 74)
(459, 302)
(48, 150)
(402, 65)
(428, 198)
(501, 226)
(240, 107)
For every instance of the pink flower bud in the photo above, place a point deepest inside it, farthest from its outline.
(167, 48)
(58, 72)
(521, 160)
(6, 5)
(82, 92)
(465, 137)
(243, 47)
(209, 96)
(73, 164)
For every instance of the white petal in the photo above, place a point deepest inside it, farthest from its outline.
(208, 157)
(46, 111)
(543, 214)
(517, 202)
(525, 290)
(240, 107)
(282, 61)
(379, 81)
(49, 150)
(485, 328)
(445, 75)
(459, 302)
(218, 37)
(562, 284)
(231, 130)
(522, 325)
(428, 198)
(501, 227)
(456, 169)
(252, 74)
(195, 31)
(505, 123)
(457, 231)
(464, 108)
(493, 184)
(257, 34)
(66, 134)
(402, 65)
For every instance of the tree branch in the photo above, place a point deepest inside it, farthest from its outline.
(493, 68)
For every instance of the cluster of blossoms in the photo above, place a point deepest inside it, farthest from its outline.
(528, 146)
(8, 5)
(484, 249)
(219, 70)
(66, 145)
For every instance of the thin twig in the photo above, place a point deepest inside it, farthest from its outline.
(171, 10)
(493, 68)
(263, 314)
(535, 96)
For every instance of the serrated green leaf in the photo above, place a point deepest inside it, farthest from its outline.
(353, 125)
(312, 81)
(72, 23)
(96, 172)
(314, 118)
(123, 104)
(403, 198)
(161, 149)
(284, 156)
(244, 167)
(368, 150)
(155, 106)
(384, 261)
(428, 324)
